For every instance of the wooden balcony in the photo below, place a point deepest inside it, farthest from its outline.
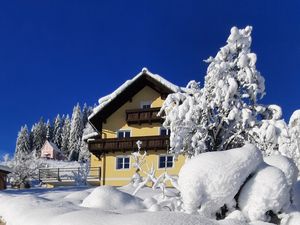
(99, 146)
(139, 116)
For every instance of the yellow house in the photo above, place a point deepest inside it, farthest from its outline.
(125, 116)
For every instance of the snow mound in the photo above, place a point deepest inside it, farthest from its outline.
(266, 191)
(212, 179)
(260, 223)
(109, 198)
(286, 165)
(291, 219)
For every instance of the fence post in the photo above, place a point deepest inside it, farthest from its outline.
(58, 178)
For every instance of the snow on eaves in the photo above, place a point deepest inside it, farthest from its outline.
(103, 101)
(5, 168)
(88, 136)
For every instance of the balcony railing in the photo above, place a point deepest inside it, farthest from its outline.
(125, 144)
(139, 116)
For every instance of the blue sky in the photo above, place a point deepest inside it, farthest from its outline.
(54, 54)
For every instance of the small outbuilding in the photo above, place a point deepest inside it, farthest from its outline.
(51, 151)
(4, 170)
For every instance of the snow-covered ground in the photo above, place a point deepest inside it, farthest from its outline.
(101, 206)
(238, 186)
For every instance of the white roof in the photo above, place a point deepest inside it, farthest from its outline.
(5, 168)
(108, 98)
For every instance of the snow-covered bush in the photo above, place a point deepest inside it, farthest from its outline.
(110, 198)
(24, 168)
(80, 176)
(286, 165)
(211, 180)
(266, 191)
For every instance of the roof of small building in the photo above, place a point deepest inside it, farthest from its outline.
(5, 169)
(110, 103)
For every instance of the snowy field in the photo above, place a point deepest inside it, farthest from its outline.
(71, 206)
(101, 206)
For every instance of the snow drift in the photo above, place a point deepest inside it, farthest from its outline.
(286, 165)
(266, 191)
(110, 198)
(210, 180)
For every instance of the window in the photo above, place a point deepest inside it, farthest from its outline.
(164, 132)
(123, 134)
(165, 161)
(123, 162)
(145, 104)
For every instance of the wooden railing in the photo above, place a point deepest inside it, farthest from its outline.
(67, 174)
(125, 144)
(139, 116)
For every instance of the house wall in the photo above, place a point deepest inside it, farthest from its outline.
(47, 151)
(117, 121)
(2, 180)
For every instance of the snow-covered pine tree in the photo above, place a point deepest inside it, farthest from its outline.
(65, 136)
(271, 134)
(84, 154)
(39, 136)
(49, 131)
(220, 115)
(291, 149)
(22, 143)
(85, 114)
(31, 145)
(75, 133)
(57, 131)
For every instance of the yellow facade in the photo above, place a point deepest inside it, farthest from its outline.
(117, 121)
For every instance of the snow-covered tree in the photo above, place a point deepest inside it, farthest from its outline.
(271, 134)
(84, 154)
(39, 135)
(75, 133)
(291, 149)
(24, 168)
(65, 136)
(86, 111)
(57, 131)
(23, 144)
(220, 115)
(49, 131)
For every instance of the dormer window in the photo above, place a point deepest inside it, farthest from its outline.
(123, 134)
(145, 104)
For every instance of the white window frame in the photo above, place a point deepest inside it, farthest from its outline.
(165, 155)
(123, 162)
(142, 103)
(117, 133)
(168, 131)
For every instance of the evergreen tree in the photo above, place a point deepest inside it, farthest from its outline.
(39, 136)
(65, 136)
(75, 133)
(22, 144)
(49, 131)
(84, 154)
(57, 132)
(86, 112)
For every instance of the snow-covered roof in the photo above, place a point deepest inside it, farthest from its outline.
(5, 169)
(88, 136)
(104, 101)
